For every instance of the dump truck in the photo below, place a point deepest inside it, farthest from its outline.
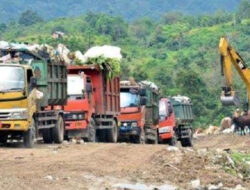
(93, 104)
(184, 118)
(23, 114)
(167, 122)
(139, 112)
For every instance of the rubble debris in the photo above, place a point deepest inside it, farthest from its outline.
(195, 184)
(173, 148)
(215, 187)
(49, 177)
(225, 123)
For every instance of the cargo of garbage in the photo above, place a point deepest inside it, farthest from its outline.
(106, 57)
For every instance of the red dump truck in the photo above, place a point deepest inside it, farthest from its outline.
(176, 117)
(167, 123)
(93, 104)
(139, 112)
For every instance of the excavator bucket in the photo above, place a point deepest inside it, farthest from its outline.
(230, 100)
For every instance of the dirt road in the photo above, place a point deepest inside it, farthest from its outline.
(118, 166)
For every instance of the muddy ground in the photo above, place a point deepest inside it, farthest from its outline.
(122, 166)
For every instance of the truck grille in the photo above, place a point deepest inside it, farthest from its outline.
(74, 116)
(4, 115)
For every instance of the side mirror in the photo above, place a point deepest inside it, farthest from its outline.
(88, 87)
(33, 82)
(142, 92)
(143, 101)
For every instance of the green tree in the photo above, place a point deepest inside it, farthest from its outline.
(29, 17)
(243, 10)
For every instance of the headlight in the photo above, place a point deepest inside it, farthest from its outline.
(134, 124)
(19, 115)
(125, 124)
(74, 116)
(164, 129)
(81, 116)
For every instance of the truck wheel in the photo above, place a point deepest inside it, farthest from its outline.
(47, 136)
(153, 136)
(141, 139)
(187, 142)
(101, 135)
(58, 131)
(112, 134)
(91, 131)
(3, 138)
(30, 135)
(173, 140)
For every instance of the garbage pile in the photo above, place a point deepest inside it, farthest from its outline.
(182, 99)
(108, 58)
(150, 84)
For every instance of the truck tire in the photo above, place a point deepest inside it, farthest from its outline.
(140, 139)
(47, 136)
(173, 140)
(30, 135)
(112, 134)
(187, 142)
(91, 131)
(58, 131)
(153, 139)
(101, 135)
(3, 138)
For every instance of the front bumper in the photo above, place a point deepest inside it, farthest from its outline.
(129, 130)
(165, 133)
(16, 125)
(76, 125)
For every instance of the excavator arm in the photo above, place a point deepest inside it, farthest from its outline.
(229, 58)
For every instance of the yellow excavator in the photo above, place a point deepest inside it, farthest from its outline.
(229, 58)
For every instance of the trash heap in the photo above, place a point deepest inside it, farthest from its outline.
(182, 99)
(150, 84)
(108, 58)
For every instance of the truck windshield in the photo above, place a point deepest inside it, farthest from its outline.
(75, 85)
(12, 78)
(162, 109)
(128, 99)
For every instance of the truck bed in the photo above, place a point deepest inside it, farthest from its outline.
(106, 92)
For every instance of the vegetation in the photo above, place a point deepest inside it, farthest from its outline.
(242, 161)
(128, 9)
(178, 52)
(28, 18)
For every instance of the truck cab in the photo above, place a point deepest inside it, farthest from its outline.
(167, 123)
(15, 97)
(80, 107)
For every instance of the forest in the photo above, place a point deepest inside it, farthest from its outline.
(134, 9)
(179, 52)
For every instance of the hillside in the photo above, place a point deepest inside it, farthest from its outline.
(128, 9)
(179, 53)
